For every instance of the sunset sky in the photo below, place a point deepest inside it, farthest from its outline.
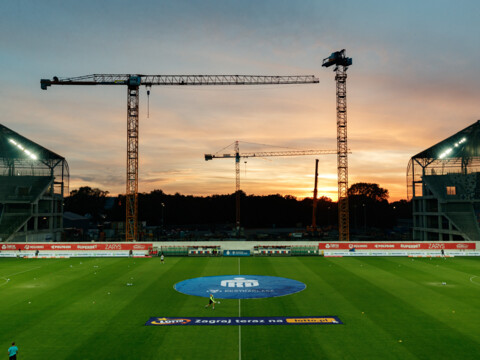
(415, 80)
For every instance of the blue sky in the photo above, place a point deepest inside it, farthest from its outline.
(415, 80)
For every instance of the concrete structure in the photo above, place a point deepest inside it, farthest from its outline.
(444, 185)
(33, 181)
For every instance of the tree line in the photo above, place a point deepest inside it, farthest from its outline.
(368, 208)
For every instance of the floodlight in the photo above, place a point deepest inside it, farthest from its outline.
(449, 150)
(445, 153)
(29, 153)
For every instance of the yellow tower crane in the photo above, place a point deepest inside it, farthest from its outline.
(237, 156)
(133, 83)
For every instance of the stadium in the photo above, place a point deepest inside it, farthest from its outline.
(298, 299)
(33, 182)
(443, 182)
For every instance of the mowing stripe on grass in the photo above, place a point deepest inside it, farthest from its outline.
(121, 324)
(283, 342)
(404, 317)
(406, 306)
(329, 287)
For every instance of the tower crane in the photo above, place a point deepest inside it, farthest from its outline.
(237, 156)
(341, 63)
(133, 83)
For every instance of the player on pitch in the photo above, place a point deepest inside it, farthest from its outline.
(211, 301)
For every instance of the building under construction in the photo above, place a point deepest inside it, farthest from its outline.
(33, 181)
(443, 182)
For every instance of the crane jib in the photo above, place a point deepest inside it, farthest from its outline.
(149, 80)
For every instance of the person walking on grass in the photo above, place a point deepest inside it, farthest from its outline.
(211, 302)
(12, 352)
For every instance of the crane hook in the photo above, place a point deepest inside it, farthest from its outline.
(148, 101)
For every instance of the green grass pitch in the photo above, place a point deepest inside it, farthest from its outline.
(392, 308)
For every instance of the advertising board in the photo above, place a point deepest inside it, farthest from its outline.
(74, 246)
(236, 253)
(273, 320)
(397, 246)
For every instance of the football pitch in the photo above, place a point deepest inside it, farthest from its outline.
(391, 308)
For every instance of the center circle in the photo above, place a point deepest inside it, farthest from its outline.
(239, 286)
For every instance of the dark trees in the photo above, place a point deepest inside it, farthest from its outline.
(368, 204)
(87, 201)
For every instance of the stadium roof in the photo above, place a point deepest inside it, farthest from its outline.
(16, 146)
(463, 144)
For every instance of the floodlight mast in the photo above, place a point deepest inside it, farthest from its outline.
(133, 83)
(341, 63)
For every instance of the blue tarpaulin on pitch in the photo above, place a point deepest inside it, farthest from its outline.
(240, 286)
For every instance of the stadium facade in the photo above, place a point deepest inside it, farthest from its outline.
(443, 183)
(33, 181)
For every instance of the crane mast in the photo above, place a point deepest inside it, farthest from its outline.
(314, 204)
(341, 63)
(237, 187)
(133, 83)
(237, 155)
(131, 196)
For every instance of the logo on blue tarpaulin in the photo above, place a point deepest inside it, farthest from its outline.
(272, 320)
(240, 286)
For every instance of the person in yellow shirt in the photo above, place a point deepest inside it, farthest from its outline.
(211, 302)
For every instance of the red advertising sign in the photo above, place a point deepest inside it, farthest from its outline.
(397, 246)
(74, 246)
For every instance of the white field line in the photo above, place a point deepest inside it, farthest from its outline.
(239, 326)
(474, 282)
(20, 272)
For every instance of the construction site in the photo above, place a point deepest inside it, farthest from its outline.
(441, 180)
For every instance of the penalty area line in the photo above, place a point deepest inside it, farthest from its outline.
(21, 272)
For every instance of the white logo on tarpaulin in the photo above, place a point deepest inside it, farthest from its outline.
(239, 282)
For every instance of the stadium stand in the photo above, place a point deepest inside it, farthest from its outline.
(33, 181)
(443, 183)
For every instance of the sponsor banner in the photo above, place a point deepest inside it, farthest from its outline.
(470, 253)
(397, 246)
(385, 253)
(75, 246)
(276, 320)
(236, 253)
(239, 286)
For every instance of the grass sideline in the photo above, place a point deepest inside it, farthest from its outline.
(392, 308)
